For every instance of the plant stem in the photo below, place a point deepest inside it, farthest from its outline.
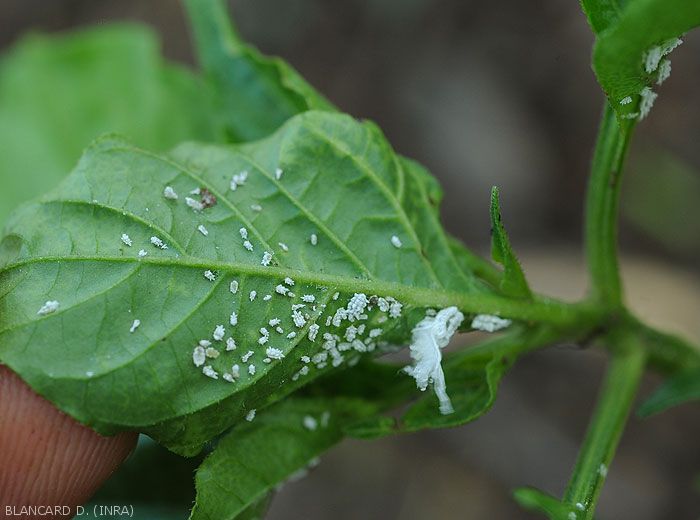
(602, 207)
(608, 421)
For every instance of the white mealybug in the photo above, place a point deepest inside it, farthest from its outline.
(252, 295)
(245, 357)
(648, 97)
(267, 297)
(238, 179)
(233, 287)
(210, 372)
(228, 377)
(126, 239)
(335, 296)
(274, 353)
(429, 336)
(135, 325)
(248, 245)
(626, 100)
(251, 414)
(284, 247)
(158, 243)
(279, 330)
(142, 253)
(375, 333)
(289, 281)
(251, 370)
(256, 207)
(244, 233)
(305, 359)
(233, 319)
(211, 352)
(169, 193)
(196, 191)
(292, 335)
(571, 516)
(313, 331)
(580, 506)
(266, 259)
(664, 71)
(199, 355)
(230, 344)
(309, 423)
(274, 322)
(396, 241)
(308, 298)
(489, 323)
(194, 204)
(278, 173)
(209, 275)
(48, 307)
(204, 231)
(298, 319)
(236, 371)
(281, 289)
(204, 343)
(313, 239)
(603, 470)
(219, 333)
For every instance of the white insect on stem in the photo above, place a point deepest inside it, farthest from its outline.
(396, 241)
(135, 325)
(126, 239)
(48, 308)
(648, 97)
(429, 336)
(489, 323)
(204, 231)
(626, 100)
(664, 71)
(169, 193)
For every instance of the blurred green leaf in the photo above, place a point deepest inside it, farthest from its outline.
(677, 390)
(625, 34)
(278, 445)
(58, 93)
(513, 282)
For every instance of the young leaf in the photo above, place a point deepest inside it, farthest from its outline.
(278, 445)
(535, 500)
(59, 92)
(256, 94)
(631, 42)
(683, 388)
(338, 182)
(513, 282)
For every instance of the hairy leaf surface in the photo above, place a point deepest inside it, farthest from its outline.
(340, 182)
(58, 93)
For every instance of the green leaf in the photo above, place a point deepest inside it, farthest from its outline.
(255, 94)
(625, 35)
(58, 93)
(339, 181)
(683, 388)
(513, 282)
(535, 500)
(278, 445)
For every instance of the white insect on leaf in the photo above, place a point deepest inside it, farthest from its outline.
(274, 322)
(298, 319)
(309, 423)
(489, 323)
(603, 470)
(204, 343)
(648, 97)
(230, 344)
(199, 356)
(251, 414)
(284, 247)
(219, 333)
(289, 281)
(228, 377)
(126, 239)
(429, 336)
(245, 357)
(266, 259)
(308, 298)
(169, 193)
(305, 359)
(209, 275)
(204, 231)
(626, 100)
(196, 191)
(580, 506)
(313, 331)
(571, 516)
(252, 295)
(135, 325)
(267, 297)
(256, 207)
(209, 371)
(233, 319)
(396, 241)
(212, 353)
(244, 233)
(274, 353)
(236, 371)
(653, 56)
(281, 289)
(292, 335)
(251, 370)
(196, 205)
(248, 245)
(278, 173)
(313, 239)
(233, 286)
(48, 307)
(142, 253)
(158, 243)
(238, 179)
(664, 71)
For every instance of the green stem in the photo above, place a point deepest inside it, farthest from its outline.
(601, 208)
(608, 421)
